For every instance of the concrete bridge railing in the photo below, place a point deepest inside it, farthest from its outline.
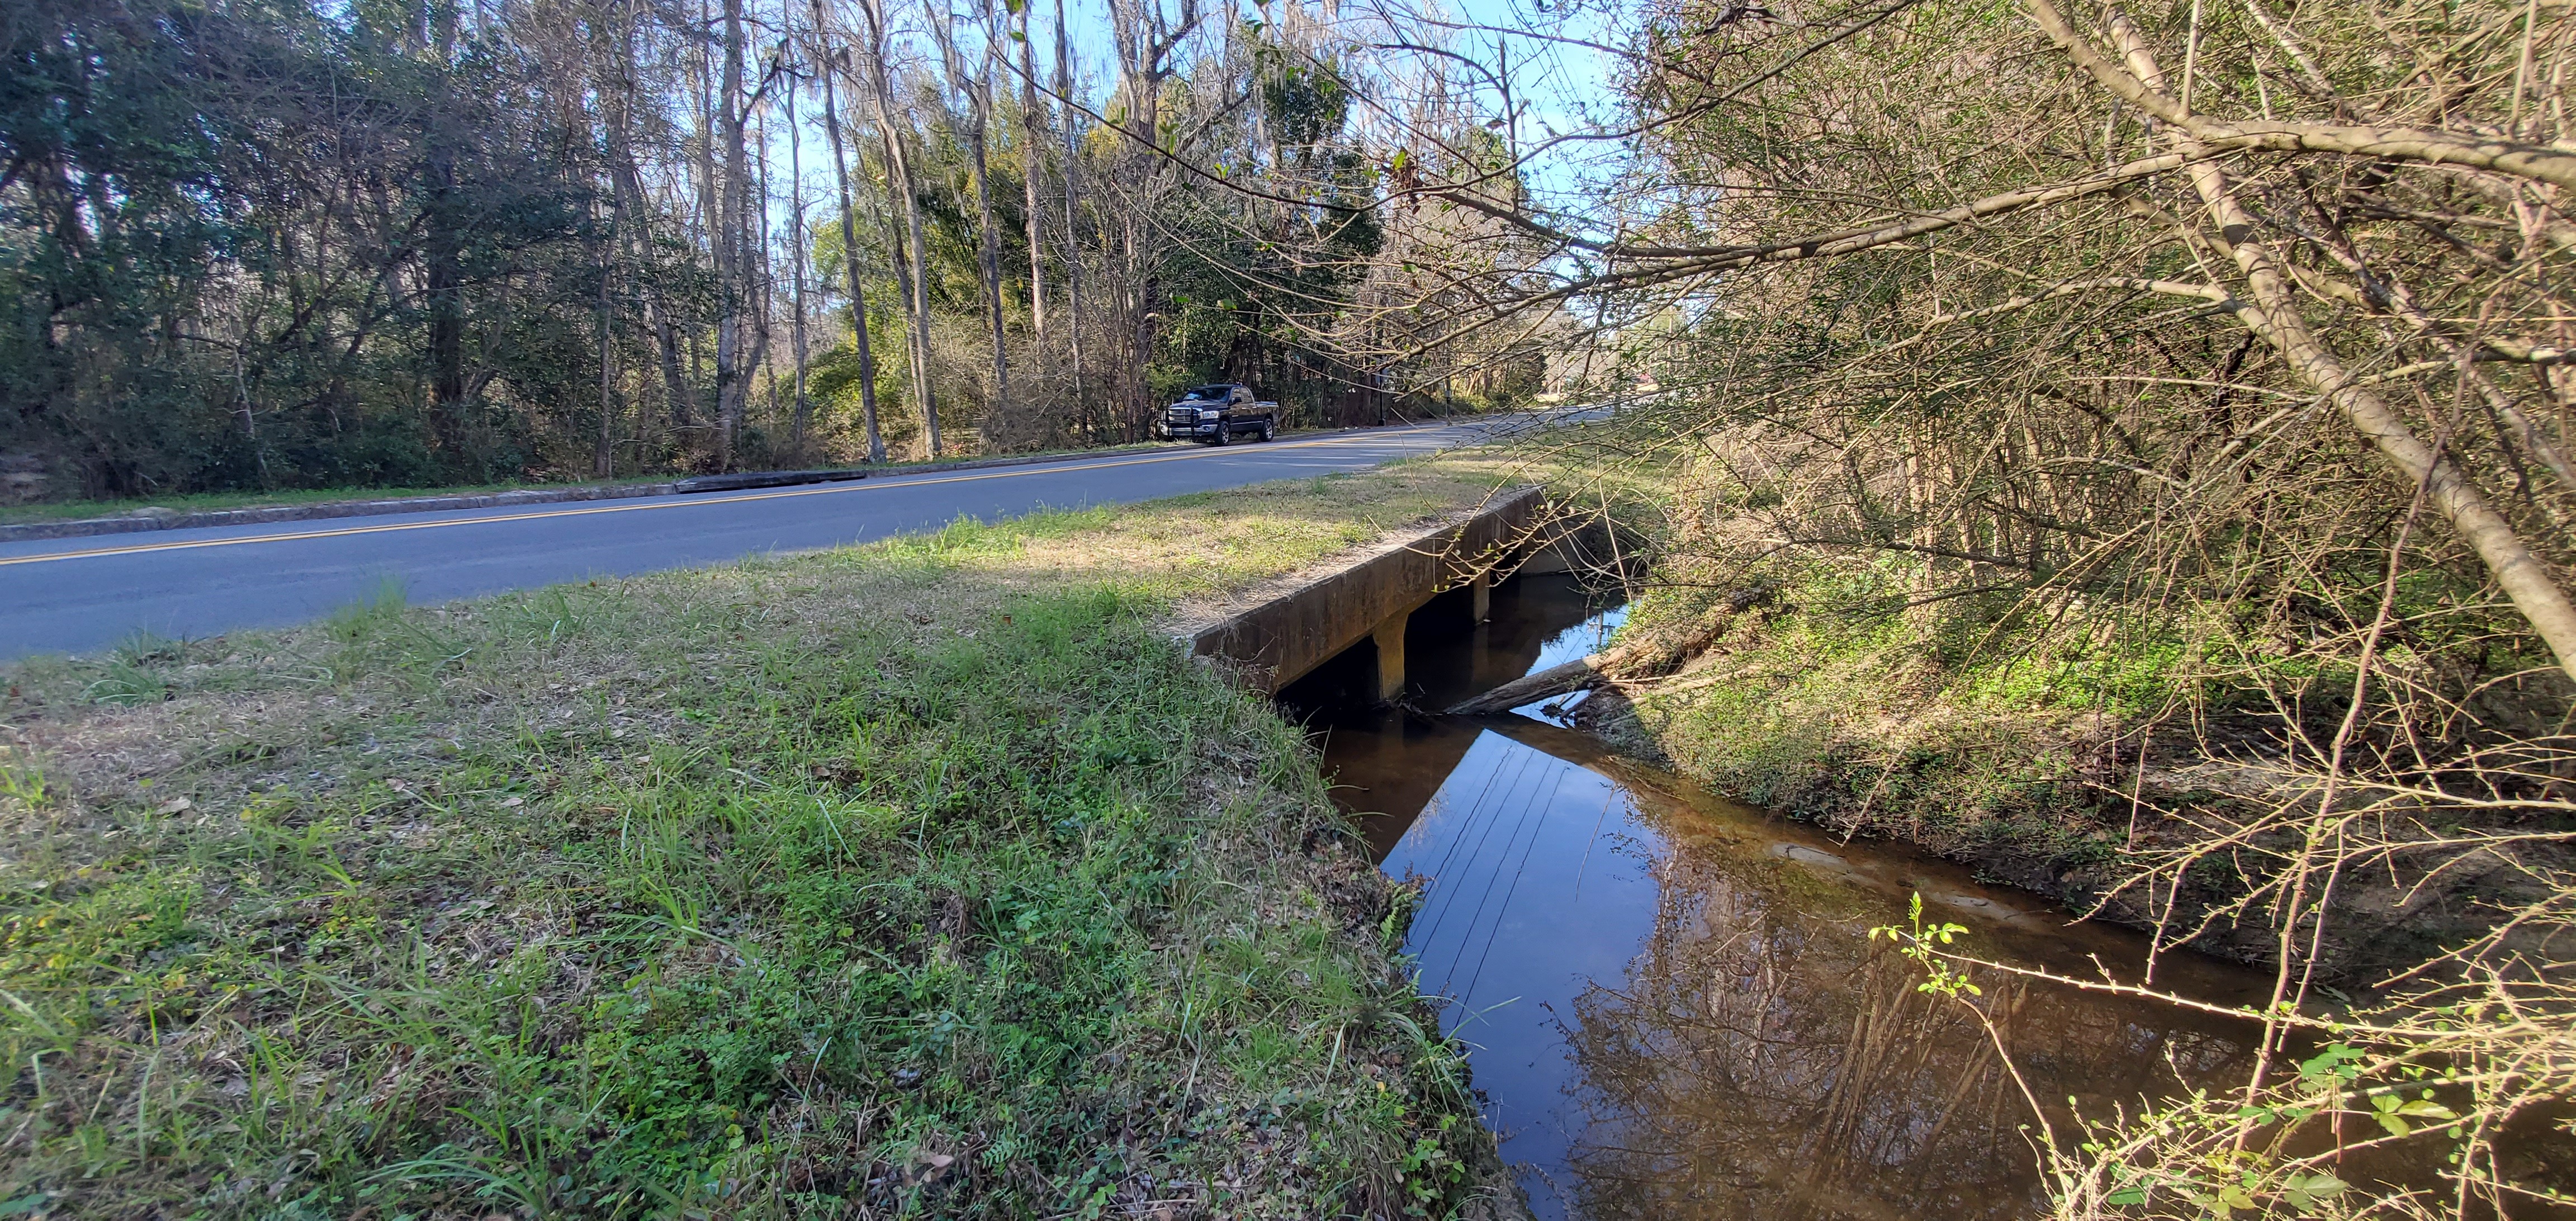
(1275, 634)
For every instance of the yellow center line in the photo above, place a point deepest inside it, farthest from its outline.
(656, 503)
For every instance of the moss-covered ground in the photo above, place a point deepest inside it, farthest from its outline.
(923, 878)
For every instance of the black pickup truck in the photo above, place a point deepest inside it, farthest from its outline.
(1220, 413)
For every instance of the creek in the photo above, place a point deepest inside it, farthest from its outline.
(1672, 1002)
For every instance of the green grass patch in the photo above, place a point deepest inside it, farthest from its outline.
(1956, 727)
(927, 878)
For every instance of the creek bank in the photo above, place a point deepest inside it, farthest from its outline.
(2049, 800)
(1834, 785)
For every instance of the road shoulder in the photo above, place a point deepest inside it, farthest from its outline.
(149, 519)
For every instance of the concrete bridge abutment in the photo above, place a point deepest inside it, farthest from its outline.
(1279, 632)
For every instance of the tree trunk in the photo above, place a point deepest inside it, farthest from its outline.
(614, 85)
(604, 462)
(1032, 132)
(850, 252)
(759, 276)
(1146, 39)
(711, 221)
(631, 202)
(804, 408)
(1139, 293)
(899, 176)
(443, 292)
(732, 372)
(900, 263)
(989, 238)
(675, 384)
(1073, 250)
(979, 114)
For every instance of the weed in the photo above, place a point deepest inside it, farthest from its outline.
(380, 605)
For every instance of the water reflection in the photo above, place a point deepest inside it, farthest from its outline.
(1759, 1056)
(1392, 758)
(1675, 1009)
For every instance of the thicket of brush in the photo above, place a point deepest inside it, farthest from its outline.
(2078, 385)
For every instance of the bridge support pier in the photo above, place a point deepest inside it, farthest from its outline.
(1480, 597)
(1389, 636)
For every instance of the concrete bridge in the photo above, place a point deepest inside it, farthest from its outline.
(1276, 633)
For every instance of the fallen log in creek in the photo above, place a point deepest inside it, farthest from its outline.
(1648, 658)
(1576, 675)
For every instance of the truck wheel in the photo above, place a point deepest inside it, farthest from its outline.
(1224, 433)
(1269, 429)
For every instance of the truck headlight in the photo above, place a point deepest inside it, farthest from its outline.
(1210, 415)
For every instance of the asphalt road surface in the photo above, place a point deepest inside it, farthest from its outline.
(74, 595)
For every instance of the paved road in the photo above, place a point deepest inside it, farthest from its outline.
(70, 595)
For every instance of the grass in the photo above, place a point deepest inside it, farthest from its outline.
(1925, 727)
(1970, 727)
(924, 878)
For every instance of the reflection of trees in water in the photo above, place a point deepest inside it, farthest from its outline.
(1765, 1059)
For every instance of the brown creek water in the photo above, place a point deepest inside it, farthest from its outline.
(1672, 1003)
